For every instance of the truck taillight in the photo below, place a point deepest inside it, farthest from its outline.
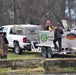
(24, 40)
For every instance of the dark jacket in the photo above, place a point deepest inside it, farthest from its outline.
(5, 40)
(47, 28)
(58, 32)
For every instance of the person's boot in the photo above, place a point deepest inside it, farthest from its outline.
(2, 57)
(5, 56)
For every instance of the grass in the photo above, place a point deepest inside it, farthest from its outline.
(31, 55)
(39, 70)
(64, 70)
(22, 71)
(25, 55)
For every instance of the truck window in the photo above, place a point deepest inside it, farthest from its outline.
(19, 32)
(1, 29)
(11, 31)
(5, 29)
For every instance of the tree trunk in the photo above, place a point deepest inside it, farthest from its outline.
(15, 11)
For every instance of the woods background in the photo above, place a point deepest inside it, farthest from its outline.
(34, 11)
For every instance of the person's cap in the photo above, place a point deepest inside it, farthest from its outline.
(58, 24)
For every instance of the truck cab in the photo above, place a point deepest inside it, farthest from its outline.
(20, 36)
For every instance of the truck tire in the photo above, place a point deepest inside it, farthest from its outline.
(17, 48)
(49, 52)
(44, 52)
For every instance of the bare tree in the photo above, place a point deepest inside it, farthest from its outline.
(1, 5)
(31, 11)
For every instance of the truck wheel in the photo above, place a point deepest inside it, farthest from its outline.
(43, 52)
(17, 48)
(49, 52)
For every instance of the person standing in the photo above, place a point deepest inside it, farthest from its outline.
(49, 26)
(1, 45)
(5, 46)
(58, 37)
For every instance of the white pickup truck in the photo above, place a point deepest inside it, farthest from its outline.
(18, 37)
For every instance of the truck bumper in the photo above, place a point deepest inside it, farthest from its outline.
(27, 47)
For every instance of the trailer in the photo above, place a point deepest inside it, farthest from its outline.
(47, 47)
